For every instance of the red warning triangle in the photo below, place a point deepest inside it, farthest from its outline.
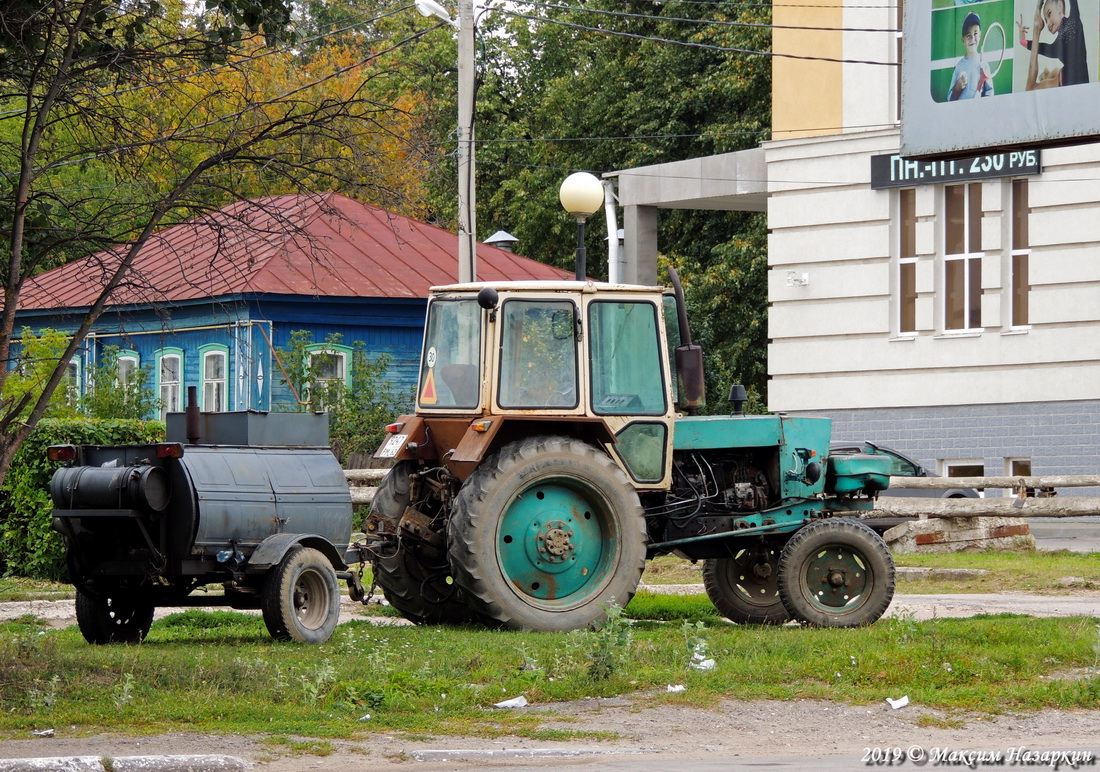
(427, 394)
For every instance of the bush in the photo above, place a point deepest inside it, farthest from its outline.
(28, 545)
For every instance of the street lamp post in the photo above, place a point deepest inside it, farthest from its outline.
(581, 195)
(467, 218)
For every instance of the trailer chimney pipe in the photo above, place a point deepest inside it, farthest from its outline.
(192, 416)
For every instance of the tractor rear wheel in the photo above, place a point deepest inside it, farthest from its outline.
(118, 617)
(836, 573)
(546, 534)
(743, 587)
(419, 587)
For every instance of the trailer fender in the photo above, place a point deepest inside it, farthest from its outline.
(273, 549)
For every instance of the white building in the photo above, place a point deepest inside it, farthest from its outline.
(958, 322)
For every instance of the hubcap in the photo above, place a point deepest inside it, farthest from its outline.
(553, 544)
(752, 576)
(309, 603)
(835, 578)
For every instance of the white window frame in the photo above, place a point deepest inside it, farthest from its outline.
(167, 405)
(907, 221)
(1018, 250)
(967, 257)
(130, 357)
(214, 390)
(948, 465)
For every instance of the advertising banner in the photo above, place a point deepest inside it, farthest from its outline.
(988, 74)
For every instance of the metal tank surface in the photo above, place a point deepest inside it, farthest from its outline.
(255, 502)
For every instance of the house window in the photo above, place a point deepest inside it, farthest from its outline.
(126, 365)
(907, 279)
(213, 378)
(963, 257)
(328, 374)
(71, 385)
(169, 380)
(1021, 252)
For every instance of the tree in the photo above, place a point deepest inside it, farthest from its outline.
(558, 95)
(119, 118)
(360, 402)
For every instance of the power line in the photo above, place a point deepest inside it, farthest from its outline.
(711, 22)
(706, 46)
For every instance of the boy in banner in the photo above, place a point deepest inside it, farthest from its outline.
(1069, 45)
(971, 77)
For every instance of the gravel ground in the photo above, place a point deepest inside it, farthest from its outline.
(667, 736)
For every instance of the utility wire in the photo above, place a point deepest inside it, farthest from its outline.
(710, 22)
(707, 46)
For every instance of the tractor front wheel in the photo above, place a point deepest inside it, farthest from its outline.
(836, 573)
(546, 534)
(744, 586)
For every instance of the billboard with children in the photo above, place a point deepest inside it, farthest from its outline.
(980, 74)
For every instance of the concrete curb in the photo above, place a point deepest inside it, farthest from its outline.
(195, 763)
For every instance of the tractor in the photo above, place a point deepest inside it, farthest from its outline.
(557, 444)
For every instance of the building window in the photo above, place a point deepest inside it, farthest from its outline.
(907, 279)
(71, 385)
(169, 380)
(1019, 467)
(963, 257)
(126, 365)
(328, 375)
(965, 469)
(213, 378)
(1021, 252)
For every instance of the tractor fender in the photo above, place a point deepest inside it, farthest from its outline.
(273, 549)
(477, 444)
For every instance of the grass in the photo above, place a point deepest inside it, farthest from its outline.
(219, 672)
(1039, 571)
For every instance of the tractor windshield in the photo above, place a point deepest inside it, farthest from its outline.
(538, 354)
(450, 370)
(626, 364)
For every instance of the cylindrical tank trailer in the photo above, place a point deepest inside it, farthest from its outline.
(253, 501)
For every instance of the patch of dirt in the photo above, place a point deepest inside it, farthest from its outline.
(657, 727)
(733, 731)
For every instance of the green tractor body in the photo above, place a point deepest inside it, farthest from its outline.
(556, 445)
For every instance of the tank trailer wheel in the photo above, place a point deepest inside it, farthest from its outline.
(836, 573)
(113, 618)
(301, 598)
(545, 534)
(744, 587)
(422, 592)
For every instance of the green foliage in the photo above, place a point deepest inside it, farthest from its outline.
(109, 398)
(38, 358)
(439, 681)
(610, 644)
(359, 405)
(28, 545)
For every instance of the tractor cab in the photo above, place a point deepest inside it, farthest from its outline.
(507, 359)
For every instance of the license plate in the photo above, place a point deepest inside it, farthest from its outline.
(393, 446)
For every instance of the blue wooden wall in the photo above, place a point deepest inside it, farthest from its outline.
(250, 329)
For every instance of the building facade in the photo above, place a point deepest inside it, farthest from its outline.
(216, 303)
(954, 316)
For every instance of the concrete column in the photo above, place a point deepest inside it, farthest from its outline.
(640, 244)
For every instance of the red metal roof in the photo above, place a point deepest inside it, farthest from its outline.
(324, 245)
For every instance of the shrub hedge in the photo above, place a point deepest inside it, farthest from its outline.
(28, 545)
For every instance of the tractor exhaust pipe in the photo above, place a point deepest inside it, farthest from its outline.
(690, 387)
